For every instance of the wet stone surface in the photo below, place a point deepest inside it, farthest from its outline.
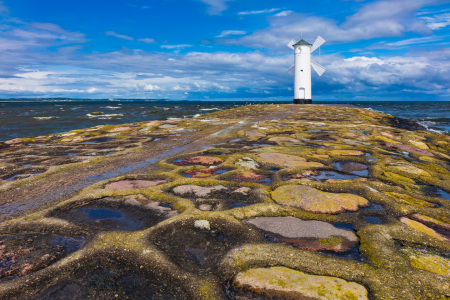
(214, 198)
(309, 235)
(133, 184)
(24, 254)
(203, 173)
(330, 175)
(106, 216)
(199, 247)
(300, 177)
(111, 283)
(352, 167)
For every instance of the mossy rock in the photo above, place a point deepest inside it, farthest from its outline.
(313, 200)
(285, 283)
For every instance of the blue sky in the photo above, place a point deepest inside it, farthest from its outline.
(223, 49)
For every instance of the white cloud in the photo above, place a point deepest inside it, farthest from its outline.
(216, 6)
(414, 41)
(284, 13)
(147, 40)
(438, 21)
(92, 90)
(120, 36)
(257, 12)
(385, 18)
(175, 46)
(151, 88)
(230, 32)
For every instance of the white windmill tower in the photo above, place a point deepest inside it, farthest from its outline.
(301, 70)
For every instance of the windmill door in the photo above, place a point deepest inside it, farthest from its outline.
(301, 93)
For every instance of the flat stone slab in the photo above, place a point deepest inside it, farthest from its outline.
(197, 190)
(199, 160)
(424, 260)
(313, 200)
(284, 139)
(287, 160)
(347, 152)
(423, 228)
(310, 235)
(285, 283)
(133, 184)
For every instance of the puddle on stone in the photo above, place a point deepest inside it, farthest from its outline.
(371, 159)
(363, 132)
(433, 191)
(373, 206)
(372, 220)
(238, 204)
(202, 173)
(21, 176)
(326, 175)
(252, 177)
(352, 168)
(114, 216)
(24, 254)
(198, 160)
(70, 153)
(352, 254)
(115, 282)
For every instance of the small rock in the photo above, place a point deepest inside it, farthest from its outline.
(202, 224)
(247, 162)
(242, 191)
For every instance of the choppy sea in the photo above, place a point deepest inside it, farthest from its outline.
(22, 118)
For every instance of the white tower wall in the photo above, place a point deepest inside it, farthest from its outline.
(302, 73)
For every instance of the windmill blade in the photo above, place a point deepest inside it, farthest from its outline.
(291, 44)
(318, 68)
(291, 70)
(317, 43)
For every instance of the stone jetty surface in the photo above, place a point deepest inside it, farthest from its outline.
(255, 202)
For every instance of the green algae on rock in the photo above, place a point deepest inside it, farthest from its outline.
(313, 200)
(424, 260)
(285, 283)
(287, 160)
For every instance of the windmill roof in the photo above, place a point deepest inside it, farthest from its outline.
(302, 42)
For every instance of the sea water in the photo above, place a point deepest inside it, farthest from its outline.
(22, 118)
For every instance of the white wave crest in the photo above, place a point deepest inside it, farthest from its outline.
(104, 116)
(45, 118)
